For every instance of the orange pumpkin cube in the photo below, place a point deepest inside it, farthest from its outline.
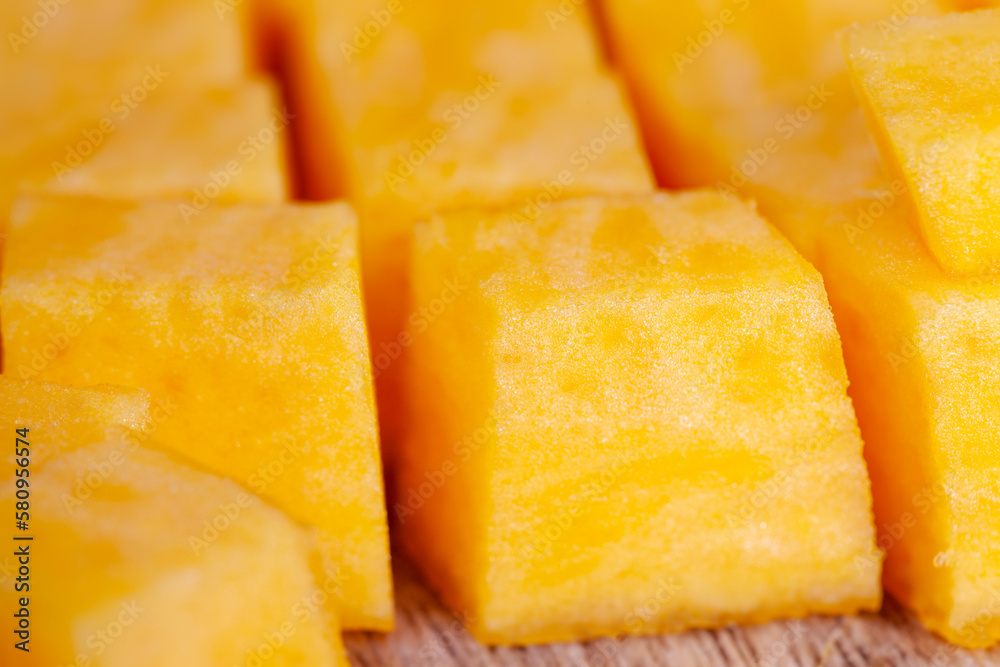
(920, 346)
(93, 64)
(722, 87)
(219, 144)
(134, 558)
(248, 320)
(105, 43)
(628, 399)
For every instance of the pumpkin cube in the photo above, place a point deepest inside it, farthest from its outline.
(920, 346)
(104, 59)
(106, 43)
(76, 80)
(631, 398)
(722, 87)
(248, 320)
(220, 144)
(134, 558)
(512, 108)
(930, 89)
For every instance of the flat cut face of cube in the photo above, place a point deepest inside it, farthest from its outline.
(930, 90)
(211, 145)
(143, 555)
(610, 389)
(246, 325)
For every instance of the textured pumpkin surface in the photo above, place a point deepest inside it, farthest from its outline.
(920, 346)
(91, 66)
(219, 144)
(248, 319)
(137, 559)
(721, 87)
(633, 418)
(917, 344)
(403, 80)
(511, 107)
(931, 90)
(104, 38)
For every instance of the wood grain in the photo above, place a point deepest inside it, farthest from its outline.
(428, 635)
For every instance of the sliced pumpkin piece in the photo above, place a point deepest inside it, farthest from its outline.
(92, 65)
(104, 43)
(630, 399)
(213, 145)
(920, 345)
(247, 319)
(135, 558)
(722, 87)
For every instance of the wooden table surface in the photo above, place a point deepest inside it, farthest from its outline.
(426, 634)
